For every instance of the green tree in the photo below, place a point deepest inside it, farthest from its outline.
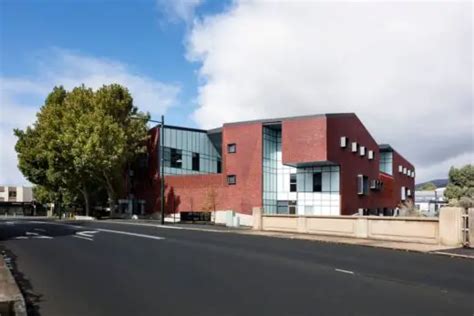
(427, 187)
(82, 141)
(461, 183)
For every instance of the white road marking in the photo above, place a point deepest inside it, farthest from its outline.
(42, 237)
(82, 237)
(130, 234)
(87, 233)
(344, 271)
(21, 237)
(31, 234)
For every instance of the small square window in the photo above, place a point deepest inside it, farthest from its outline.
(231, 148)
(354, 147)
(343, 141)
(231, 179)
(371, 154)
(404, 170)
(362, 151)
(400, 168)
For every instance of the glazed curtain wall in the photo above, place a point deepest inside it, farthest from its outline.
(289, 190)
(189, 152)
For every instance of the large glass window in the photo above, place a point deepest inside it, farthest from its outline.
(386, 162)
(189, 152)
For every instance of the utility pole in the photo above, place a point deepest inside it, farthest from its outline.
(162, 169)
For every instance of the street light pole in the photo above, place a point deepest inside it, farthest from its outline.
(162, 170)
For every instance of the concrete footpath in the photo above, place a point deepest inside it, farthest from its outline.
(396, 245)
(11, 299)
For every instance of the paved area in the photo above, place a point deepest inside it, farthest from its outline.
(98, 268)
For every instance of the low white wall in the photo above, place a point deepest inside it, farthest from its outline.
(232, 219)
(407, 229)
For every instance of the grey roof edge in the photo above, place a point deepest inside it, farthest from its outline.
(288, 118)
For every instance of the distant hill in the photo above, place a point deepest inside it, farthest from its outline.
(439, 183)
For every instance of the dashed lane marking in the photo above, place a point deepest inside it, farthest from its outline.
(344, 271)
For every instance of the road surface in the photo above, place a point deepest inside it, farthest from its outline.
(98, 268)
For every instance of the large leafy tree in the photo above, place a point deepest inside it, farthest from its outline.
(461, 183)
(83, 141)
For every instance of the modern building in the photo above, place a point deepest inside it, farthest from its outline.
(16, 200)
(326, 165)
(429, 202)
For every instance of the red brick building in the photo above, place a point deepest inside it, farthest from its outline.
(325, 164)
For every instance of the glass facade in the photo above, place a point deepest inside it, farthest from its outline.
(386, 162)
(189, 152)
(290, 190)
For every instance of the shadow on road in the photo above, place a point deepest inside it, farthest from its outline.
(32, 299)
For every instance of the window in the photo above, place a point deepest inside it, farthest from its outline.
(195, 161)
(371, 154)
(404, 170)
(231, 148)
(293, 187)
(317, 182)
(292, 207)
(400, 168)
(343, 142)
(172, 157)
(403, 192)
(219, 166)
(12, 194)
(354, 147)
(362, 185)
(282, 207)
(362, 151)
(386, 161)
(231, 179)
(176, 158)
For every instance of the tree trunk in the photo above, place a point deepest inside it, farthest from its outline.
(85, 194)
(110, 193)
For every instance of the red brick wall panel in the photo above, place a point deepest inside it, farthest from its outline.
(303, 140)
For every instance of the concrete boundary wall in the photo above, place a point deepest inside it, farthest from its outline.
(11, 299)
(446, 230)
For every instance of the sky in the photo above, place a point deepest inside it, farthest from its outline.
(405, 68)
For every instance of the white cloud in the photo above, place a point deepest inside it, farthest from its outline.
(21, 97)
(178, 10)
(404, 68)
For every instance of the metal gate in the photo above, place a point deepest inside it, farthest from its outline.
(468, 227)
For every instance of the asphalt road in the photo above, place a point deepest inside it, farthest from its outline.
(114, 269)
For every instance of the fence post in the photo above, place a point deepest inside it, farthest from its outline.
(257, 218)
(450, 226)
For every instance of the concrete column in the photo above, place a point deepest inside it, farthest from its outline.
(362, 227)
(301, 225)
(257, 218)
(450, 224)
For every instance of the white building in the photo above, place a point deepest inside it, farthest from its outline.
(16, 194)
(429, 202)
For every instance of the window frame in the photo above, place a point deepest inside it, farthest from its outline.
(293, 184)
(195, 162)
(232, 148)
(229, 181)
(315, 188)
